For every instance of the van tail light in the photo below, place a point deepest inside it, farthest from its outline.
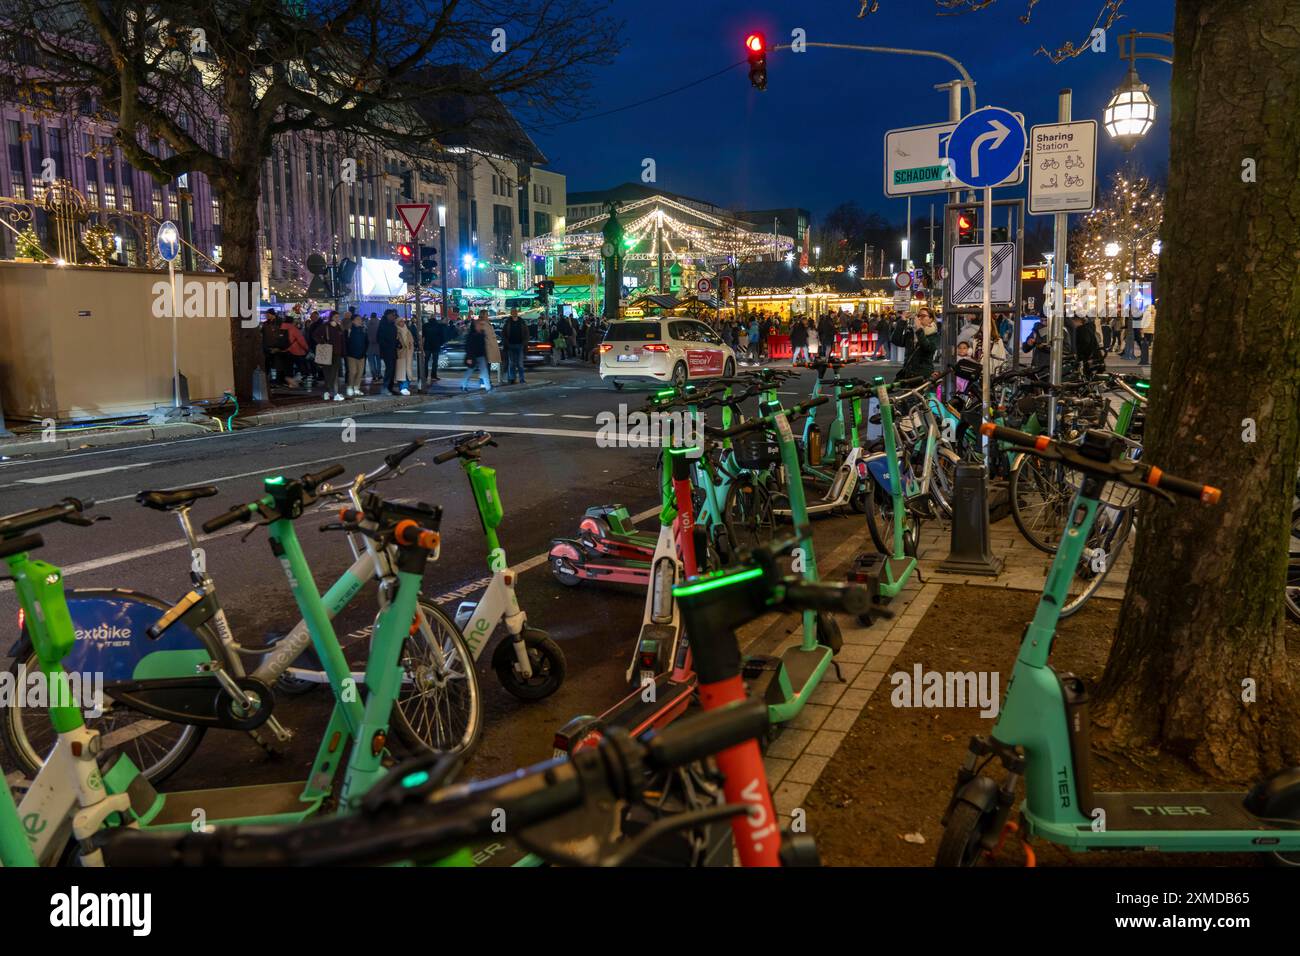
(659, 347)
(604, 347)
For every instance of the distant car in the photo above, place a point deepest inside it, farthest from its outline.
(536, 352)
(676, 350)
(452, 355)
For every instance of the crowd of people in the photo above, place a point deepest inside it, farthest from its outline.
(345, 353)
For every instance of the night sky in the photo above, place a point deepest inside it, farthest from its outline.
(814, 138)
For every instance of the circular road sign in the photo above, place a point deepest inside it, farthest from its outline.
(169, 241)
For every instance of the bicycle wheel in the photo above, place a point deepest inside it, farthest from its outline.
(1105, 545)
(1040, 493)
(157, 747)
(880, 523)
(748, 513)
(943, 479)
(439, 708)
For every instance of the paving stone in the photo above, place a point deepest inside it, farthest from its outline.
(806, 769)
(855, 698)
(810, 718)
(828, 693)
(867, 681)
(776, 769)
(840, 719)
(825, 743)
(790, 797)
(790, 744)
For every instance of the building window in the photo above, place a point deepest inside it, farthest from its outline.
(159, 212)
(216, 211)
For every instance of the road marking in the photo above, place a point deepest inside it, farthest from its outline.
(585, 418)
(502, 413)
(69, 476)
(539, 415)
(623, 437)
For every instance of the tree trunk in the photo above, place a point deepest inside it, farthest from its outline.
(240, 192)
(1199, 666)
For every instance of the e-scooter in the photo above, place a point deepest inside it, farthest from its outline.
(846, 488)
(1042, 732)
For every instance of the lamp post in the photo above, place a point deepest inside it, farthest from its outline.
(442, 254)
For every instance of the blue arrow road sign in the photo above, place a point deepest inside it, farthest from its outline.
(986, 147)
(169, 241)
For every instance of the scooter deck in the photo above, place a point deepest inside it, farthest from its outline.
(1176, 822)
(231, 804)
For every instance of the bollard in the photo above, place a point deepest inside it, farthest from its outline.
(969, 550)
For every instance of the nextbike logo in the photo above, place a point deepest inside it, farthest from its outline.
(638, 429)
(105, 635)
(207, 299)
(35, 690)
(76, 909)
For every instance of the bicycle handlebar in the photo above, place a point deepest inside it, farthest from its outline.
(310, 481)
(424, 826)
(234, 516)
(314, 480)
(21, 521)
(794, 411)
(1138, 475)
(27, 542)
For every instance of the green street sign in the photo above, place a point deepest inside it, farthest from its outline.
(921, 174)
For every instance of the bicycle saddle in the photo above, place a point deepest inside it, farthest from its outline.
(174, 497)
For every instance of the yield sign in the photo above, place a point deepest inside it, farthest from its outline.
(413, 214)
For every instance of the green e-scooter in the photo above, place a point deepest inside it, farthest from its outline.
(1042, 732)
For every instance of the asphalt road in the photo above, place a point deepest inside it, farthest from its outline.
(549, 470)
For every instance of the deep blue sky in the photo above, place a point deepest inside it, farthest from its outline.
(815, 137)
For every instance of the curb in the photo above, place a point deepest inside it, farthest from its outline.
(142, 434)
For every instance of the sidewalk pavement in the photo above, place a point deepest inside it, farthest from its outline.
(796, 758)
(293, 409)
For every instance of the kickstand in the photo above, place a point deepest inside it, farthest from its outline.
(839, 675)
(1031, 860)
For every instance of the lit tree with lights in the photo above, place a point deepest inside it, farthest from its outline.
(1203, 615)
(1126, 220)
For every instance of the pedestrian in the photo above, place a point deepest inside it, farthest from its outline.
(1037, 342)
(372, 348)
(814, 342)
(386, 338)
(476, 355)
(900, 337)
(1148, 332)
(356, 354)
(297, 353)
(327, 341)
(492, 346)
(405, 373)
(435, 334)
(922, 344)
(742, 340)
(515, 333)
(799, 343)
(274, 343)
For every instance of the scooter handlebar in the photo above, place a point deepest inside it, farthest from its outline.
(839, 598)
(1134, 474)
(234, 516)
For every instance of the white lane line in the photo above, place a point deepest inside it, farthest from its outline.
(121, 557)
(71, 475)
(502, 413)
(539, 414)
(272, 469)
(585, 418)
(624, 438)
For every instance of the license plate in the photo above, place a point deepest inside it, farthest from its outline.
(628, 358)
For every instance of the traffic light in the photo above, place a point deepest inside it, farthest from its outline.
(966, 221)
(428, 265)
(544, 288)
(406, 256)
(756, 51)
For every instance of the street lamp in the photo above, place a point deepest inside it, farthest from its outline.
(1131, 112)
(1112, 249)
(442, 255)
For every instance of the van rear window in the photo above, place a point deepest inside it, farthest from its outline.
(628, 331)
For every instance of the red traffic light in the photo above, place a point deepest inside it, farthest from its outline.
(755, 43)
(964, 222)
(403, 251)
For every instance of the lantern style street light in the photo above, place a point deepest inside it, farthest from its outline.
(1131, 112)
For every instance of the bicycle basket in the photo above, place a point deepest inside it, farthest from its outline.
(756, 450)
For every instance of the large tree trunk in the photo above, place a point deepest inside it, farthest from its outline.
(240, 191)
(1199, 666)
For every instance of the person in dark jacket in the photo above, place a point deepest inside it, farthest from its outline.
(355, 350)
(476, 353)
(826, 335)
(1086, 347)
(798, 342)
(327, 336)
(515, 334)
(386, 337)
(1040, 345)
(923, 344)
(435, 334)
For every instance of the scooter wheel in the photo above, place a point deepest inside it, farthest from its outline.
(547, 662)
(960, 845)
(564, 573)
